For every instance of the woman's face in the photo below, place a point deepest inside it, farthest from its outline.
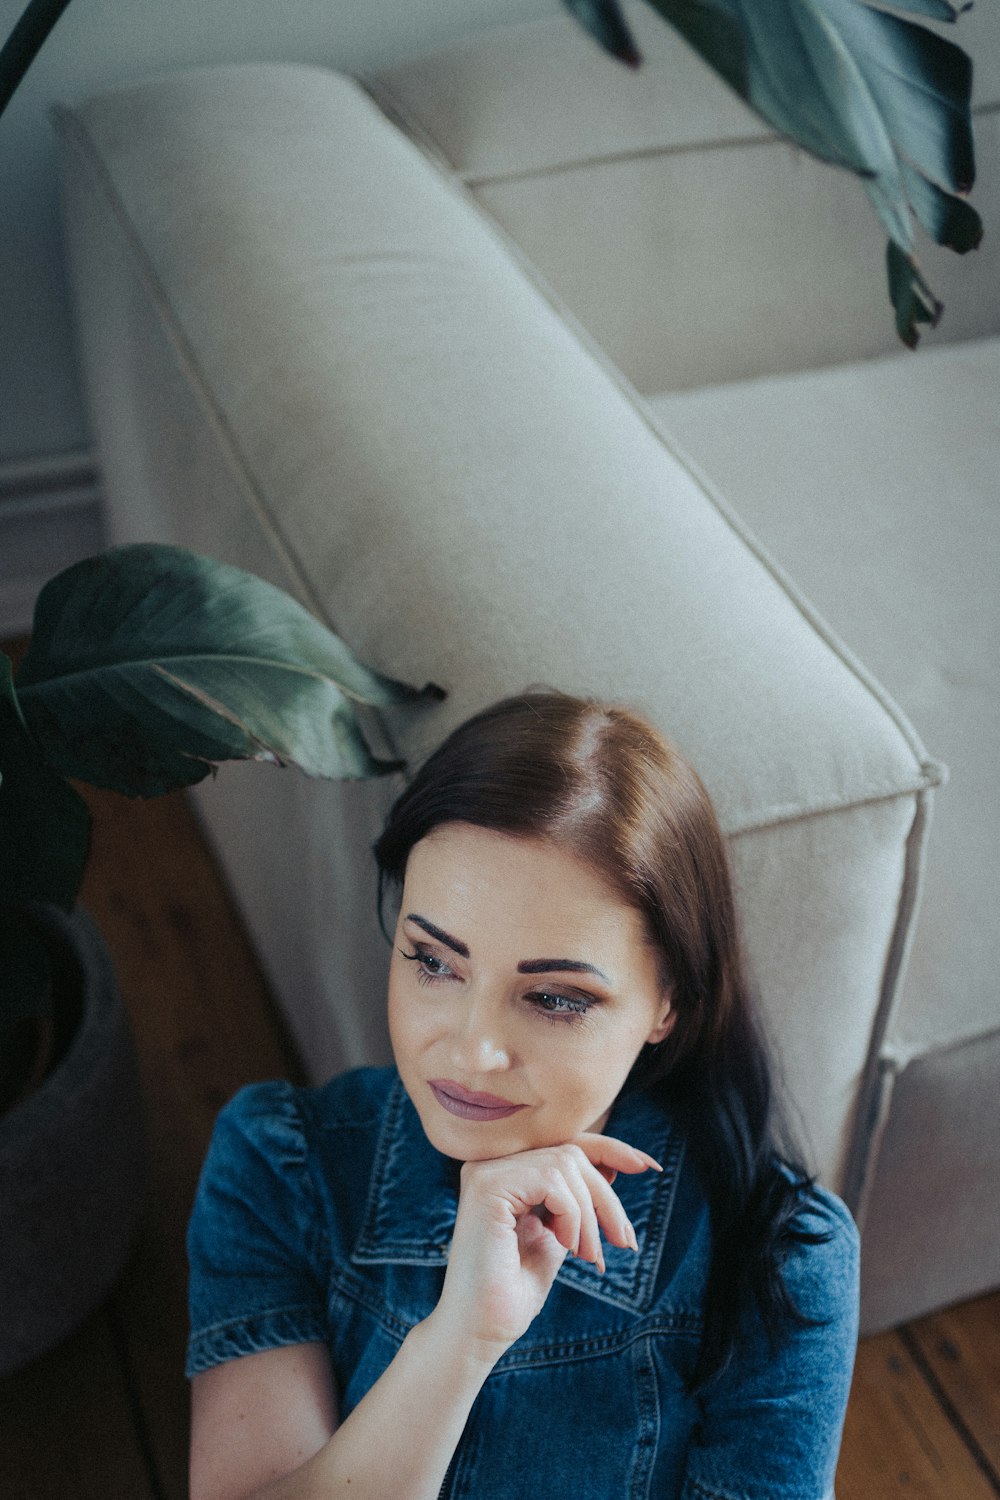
(519, 973)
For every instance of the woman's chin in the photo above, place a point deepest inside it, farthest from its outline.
(468, 1140)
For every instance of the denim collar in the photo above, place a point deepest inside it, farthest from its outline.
(413, 1198)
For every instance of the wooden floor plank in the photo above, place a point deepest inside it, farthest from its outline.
(204, 1025)
(66, 1425)
(898, 1442)
(961, 1350)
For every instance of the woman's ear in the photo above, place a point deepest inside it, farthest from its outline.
(665, 1022)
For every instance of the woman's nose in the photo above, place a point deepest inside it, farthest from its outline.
(478, 1043)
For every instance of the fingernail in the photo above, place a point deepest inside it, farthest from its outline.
(600, 1262)
(653, 1162)
(631, 1237)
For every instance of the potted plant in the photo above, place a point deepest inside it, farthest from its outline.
(146, 667)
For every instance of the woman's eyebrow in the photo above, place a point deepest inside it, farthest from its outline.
(554, 965)
(526, 966)
(443, 937)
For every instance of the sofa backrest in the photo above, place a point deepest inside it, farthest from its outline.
(666, 215)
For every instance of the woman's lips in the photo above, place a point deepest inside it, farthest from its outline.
(468, 1106)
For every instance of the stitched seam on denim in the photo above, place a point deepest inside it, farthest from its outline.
(700, 1493)
(252, 1336)
(358, 1295)
(367, 1237)
(648, 1443)
(663, 1208)
(318, 1239)
(596, 1346)
(313, 1308)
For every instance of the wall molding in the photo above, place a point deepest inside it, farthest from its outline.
(50, 517)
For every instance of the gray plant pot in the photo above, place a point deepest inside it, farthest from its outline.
(72, 1158)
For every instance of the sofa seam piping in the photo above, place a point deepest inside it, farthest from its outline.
(623, 156)
(899, 1062)
(877, 1082)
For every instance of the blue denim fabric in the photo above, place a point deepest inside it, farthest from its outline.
(325, 1213)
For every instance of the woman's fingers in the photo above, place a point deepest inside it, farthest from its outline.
(608, 1207)
(582, 1178)
(609, 1151)
(569, 1188)
(600, 1206)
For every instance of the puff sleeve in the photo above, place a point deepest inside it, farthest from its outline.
(771, 1423)
(254, 1239)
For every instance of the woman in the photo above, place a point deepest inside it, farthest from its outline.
(398, 1282)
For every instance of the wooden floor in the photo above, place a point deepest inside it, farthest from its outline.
(105, 1416)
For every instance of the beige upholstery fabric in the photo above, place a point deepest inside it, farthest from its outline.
(693, 244)
(895, 534)
(934, 1203)
(386, 414)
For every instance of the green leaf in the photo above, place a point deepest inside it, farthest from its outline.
(44, 823)
(911, 296)
(606, 22)
(920, 86)
(938, 10)
(24, 43)
(949, 220)
(877, 93)
(150, 664)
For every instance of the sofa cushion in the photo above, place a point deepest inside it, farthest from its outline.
(875, 486)
(931, 1227)
(691, 242)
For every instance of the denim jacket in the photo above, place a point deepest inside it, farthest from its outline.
(325, 1213)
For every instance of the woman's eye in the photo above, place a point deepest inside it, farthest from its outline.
(429, 966)
(558, 1006)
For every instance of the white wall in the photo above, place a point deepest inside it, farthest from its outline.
(98, 43)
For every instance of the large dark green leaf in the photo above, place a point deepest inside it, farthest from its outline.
(44, 823)
(22, 45)
(879, 94)
(149, 664)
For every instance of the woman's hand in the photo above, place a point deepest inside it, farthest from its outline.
(517, 1217)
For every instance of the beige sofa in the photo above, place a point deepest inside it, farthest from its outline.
(519, 368)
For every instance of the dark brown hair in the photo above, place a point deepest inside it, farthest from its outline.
(605, 786)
